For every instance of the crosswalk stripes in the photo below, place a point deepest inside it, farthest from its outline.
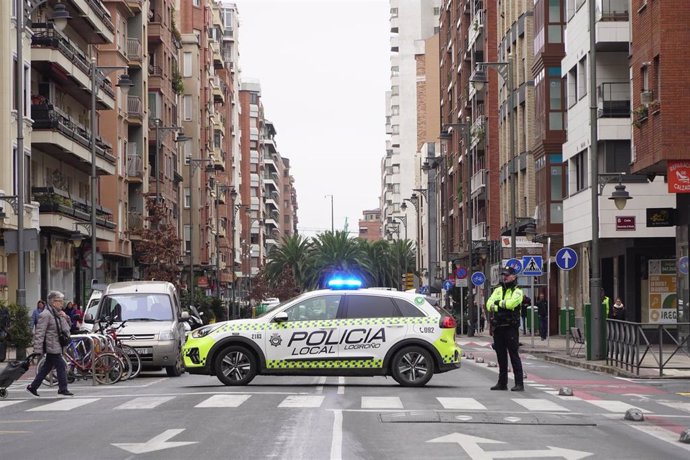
(302, 401)
(224, 401)
(381, 402)
(540, 405)
(63, 405)
(461, 404)
(147, 402)
(614, 406)
(676, 405)
(8, 403)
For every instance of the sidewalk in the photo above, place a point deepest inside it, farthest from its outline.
(554, 349)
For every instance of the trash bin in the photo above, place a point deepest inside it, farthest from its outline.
(532, 318)
(563, 328)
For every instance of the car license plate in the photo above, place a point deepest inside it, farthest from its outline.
(144, 351)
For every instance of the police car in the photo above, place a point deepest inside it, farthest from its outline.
(339, 331)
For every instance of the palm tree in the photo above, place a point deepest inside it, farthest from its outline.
(402, 259)
(292, 255)
(332, 253)
(379, 263)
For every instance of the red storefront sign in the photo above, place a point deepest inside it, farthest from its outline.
(678, 176)
(202, 282)
(625, 222)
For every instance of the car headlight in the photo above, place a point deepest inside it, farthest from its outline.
(165, 335)
(204, 330)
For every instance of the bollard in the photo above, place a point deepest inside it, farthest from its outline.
(685, 436)
(479, 359)
(565, 391)
(634, 414)
(492, 364)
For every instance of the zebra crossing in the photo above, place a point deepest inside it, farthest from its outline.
(192, 401)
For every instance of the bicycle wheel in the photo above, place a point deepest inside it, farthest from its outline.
(134, 358)
(107, 368)
(127, 369)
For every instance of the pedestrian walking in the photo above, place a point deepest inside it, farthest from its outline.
(482, 320)
(505, 302)
(526, 303)
(618, 310)
(53, 322)
(543, 310)
(4, 331)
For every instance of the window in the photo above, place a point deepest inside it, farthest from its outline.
(581, 167)
(437, 11)
(187, 198)
(187, 65)
(196, 2)
(187, 239)
(582, 78)
(187, 107)
(408, 310)
(365, 306)
(315, 309)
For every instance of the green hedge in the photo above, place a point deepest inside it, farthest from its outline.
(20, 325)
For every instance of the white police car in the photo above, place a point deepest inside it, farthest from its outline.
(341, 331)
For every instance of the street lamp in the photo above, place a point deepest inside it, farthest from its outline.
(60, 16)
(235, 208)
(479, 79)
(180, 138)
(332, 222)
(210, 168)
(125, 83)
(402, 219)
(414, 201)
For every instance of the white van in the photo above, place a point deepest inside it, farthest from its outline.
(155, 321)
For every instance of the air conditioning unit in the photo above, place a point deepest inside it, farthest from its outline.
(646, 97)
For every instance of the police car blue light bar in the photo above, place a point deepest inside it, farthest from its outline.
(344, 283)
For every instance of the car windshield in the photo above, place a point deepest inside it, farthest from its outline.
(270, 308)
(137, 307)
(92, 308)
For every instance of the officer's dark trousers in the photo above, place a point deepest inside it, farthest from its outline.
(506, 343)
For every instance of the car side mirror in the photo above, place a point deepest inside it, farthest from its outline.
(184, 316)
(88, 318)
(280, 317)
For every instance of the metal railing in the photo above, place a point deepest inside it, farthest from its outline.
(613, 100)
(629, 344)
(134, 49)
(134, 106)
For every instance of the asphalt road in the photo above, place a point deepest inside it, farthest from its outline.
(454, 417)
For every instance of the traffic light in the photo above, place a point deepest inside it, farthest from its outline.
(409, 281)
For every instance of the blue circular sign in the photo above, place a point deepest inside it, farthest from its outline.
(515, 264)
(683, 265)
(478, 278)
(447, 285)
(461, 273)
(566, 258)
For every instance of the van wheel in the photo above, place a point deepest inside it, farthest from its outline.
(412, 367)
(235, 365)
(178, 369)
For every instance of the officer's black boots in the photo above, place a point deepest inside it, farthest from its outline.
(500, 387)
(518, 387)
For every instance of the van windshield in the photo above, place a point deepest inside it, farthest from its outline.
(136, 307)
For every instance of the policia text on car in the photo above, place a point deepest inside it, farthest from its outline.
(504, 304)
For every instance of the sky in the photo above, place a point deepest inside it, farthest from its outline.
(324, 69)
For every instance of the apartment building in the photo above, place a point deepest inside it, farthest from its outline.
(627, 243)
(409, 21)
(289, 198)
(370, 225)
(470, 126)
(661, 107)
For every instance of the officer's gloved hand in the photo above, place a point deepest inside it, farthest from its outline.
(497, 303)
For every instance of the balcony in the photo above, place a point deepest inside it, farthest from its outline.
(217, 90)
(60, 210)
(156, 29)
(58, 135)
(613, 26)
(135, 110)
(91, 20)
(135, 5)
(135, 167)
(479, 232)
(478, 183)
(135, 52)
(476, 28)
(135, 222)
(270, 180)
(217, 55)
(155, 77)
(52, 50)
(613, 100)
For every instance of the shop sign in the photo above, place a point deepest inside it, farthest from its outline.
(625, 223)
(678, 173)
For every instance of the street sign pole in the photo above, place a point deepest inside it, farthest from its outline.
(566, 259)
(531, 312)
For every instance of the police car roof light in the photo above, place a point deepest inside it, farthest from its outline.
(344, 283)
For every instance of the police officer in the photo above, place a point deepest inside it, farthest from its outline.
(504, 303)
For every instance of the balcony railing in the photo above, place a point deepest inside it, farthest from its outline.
(134, 106)
(478, 181)
(45, 116)
(479, 231)
(102, 13)
(54, 200)
(614, 100)
(45, 36)
(612, 10)
(135, 221)
(135, 166)
(134, 49)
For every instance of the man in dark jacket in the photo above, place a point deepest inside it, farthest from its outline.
(543, 309)
(51, 322)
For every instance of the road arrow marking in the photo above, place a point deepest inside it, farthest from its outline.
(471, 445)
(159, 442)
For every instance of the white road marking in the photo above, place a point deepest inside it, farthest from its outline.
(615, 406)
(302, 401)
(8, 403)
(540, 405)
(461, 403)
(341, 385)
(337, 440)
(661, 434)
(145, 402)
(63, 405)
(382, 402)
(672, 404)
(224, 401)
(321, 382)
(565, 398)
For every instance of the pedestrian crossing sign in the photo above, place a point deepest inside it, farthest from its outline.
(531, 266)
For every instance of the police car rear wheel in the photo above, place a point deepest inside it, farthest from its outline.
(412, 367)
(235, 366)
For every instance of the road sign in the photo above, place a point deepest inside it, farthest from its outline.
(461, 272)
(461, 282)
(683, 265)
(531, 266)
(515, 264)
(478, 278)
(566, 258)
(447, 284)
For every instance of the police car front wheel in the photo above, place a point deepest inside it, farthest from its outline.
(235, 365)
(412, 367)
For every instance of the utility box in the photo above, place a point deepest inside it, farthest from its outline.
(563, 326)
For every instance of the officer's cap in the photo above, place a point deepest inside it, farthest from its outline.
(508, 271)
